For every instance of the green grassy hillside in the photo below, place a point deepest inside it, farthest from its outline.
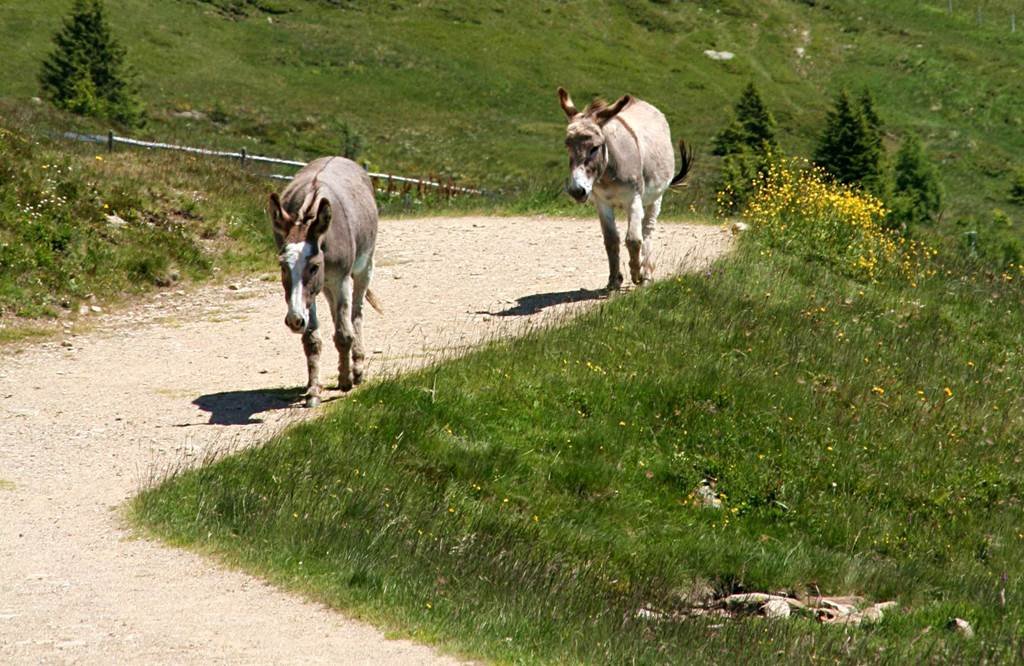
(468, 89)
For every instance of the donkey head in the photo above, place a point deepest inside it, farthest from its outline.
(302, 261)
(585, 141)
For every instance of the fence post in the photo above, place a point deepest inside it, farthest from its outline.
(1013, 23)
(241, 159)
(950, 6)
(110, 141)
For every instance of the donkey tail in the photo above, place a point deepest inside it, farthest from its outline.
(686, 155)
(372, 299)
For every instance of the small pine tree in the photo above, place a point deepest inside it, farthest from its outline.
(753, 126)
(87, 73)
(850, 148)
(917, 193)
(730, 140)
(748, 145)
(867, 107)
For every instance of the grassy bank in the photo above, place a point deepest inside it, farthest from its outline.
(78, 223)
(522, 503)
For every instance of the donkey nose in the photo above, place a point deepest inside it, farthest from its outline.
(576, 192)
(295, 322)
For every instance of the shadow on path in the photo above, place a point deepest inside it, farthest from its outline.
(238, 407)
(534, 303)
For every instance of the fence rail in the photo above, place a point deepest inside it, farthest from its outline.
(110, 140)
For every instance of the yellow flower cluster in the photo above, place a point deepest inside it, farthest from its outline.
(800, 209)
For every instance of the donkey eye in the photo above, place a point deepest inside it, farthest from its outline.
(593, 152)
(313, 268)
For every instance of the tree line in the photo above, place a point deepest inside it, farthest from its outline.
(850, 149)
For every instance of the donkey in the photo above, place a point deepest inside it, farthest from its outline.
(325, 226)
(621, 155)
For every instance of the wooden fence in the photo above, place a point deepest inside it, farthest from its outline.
(386, 181)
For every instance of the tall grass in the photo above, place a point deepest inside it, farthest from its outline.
(522, 503)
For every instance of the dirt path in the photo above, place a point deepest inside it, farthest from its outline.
(86, 421)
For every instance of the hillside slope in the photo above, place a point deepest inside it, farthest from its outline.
(469, 91)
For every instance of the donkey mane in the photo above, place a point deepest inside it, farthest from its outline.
(596, 105)
(314, 193)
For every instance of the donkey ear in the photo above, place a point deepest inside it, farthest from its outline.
(566, 102)
(609, 112)
(322, 221)
(279, 217)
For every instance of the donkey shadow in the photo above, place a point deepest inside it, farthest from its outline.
(534, 303)
(239, 407)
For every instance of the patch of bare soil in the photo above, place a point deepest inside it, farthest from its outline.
(86, 421)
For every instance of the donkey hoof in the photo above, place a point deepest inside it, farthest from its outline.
(615, 283)
(357, 378)
(313, 401)
(345, 387)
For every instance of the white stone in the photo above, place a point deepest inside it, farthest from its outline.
(775, 609)
(962, 627)
(706, 497)
(719, 55)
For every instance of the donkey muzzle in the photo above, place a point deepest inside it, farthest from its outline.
(297, 323)
(576, 192)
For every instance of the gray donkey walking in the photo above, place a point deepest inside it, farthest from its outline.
(325, 225)
(621, 155)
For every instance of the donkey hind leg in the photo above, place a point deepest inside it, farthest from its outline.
(633, 238)
(360, 283)
(611, 245)
(311, 345)
(343, 333)
(650, 222)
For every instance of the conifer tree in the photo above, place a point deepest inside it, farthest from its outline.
(87, 72)
(917, 194)
(850, 148)
(753, 126)
(748, 145)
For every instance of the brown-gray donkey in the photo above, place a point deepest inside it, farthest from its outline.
(621, 155)
(325, 225)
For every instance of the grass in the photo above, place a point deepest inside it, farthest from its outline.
(60, 242)
(468, 91)
(21, 332)
(520, 504)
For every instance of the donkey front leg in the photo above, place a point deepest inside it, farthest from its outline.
(650, 222)
(633, 238)
(311, 345)
(344, 334)
(611, 244)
